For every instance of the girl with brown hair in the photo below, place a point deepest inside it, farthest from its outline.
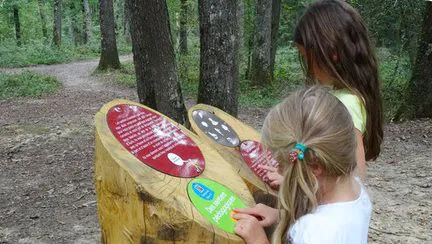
(336, 51)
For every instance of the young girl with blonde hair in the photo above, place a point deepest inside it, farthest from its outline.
(336, 51)
(311, 135)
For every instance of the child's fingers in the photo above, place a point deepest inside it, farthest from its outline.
(268, 168)
(242, 216)
(274, 183)
(245, 210)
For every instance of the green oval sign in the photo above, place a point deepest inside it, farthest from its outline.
(215, 202)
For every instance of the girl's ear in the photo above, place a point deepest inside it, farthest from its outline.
(317, 169)
(335, 57)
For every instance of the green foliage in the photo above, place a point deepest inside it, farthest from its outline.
(395, 73)
(26, 84)
(394, 27)
(36, 52)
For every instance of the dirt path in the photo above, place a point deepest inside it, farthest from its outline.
(46, 166)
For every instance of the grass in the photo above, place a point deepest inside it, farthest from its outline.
(36, 52)
(124, 76)
(26, 84)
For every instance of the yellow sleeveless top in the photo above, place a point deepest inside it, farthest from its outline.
(355, 107)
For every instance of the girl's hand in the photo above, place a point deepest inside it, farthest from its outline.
(264, 214)
(274, 178)
(249, 229)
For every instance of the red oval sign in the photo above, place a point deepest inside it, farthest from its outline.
(255, 154)
(155, 141)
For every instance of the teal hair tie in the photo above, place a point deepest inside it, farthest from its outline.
(302, 148)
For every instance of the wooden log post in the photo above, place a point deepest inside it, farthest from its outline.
(139, 204)
(261, 191)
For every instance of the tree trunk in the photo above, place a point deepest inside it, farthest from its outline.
(17, 25)
(139, 204)
(57, 23)
(232, 154)
(43, 19)
(276, 8)
(118, 11)
(219, 27)
(249, 29)
(155, 67)
(261, 72)
(88, 22)
(126, 24)
(76, 33)
(183, 27)
(109, 55)
(241, 24)
(421, 82)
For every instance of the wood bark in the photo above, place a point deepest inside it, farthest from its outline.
(43, 19)
(249, 29)
(137, 204)
(75, 30)
(219, 38)
(275, 19)
(57, 23)
(420, 99)
(109, 54)
(260, 72)
(126, 24)
(183, 43)
(232, 155)
(156, 72)
(17, 25)
(88, 34)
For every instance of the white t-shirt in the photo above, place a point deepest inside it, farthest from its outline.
(335, 223)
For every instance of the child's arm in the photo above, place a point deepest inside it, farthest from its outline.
(265, 215)
(360, 170)
(274, 178)
(248, 228)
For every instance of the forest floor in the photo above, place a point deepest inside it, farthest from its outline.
(47, 192)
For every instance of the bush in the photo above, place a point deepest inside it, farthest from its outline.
(26, 84)
(36, 52)
(395, 74)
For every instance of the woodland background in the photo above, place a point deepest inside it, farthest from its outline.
(250, 46)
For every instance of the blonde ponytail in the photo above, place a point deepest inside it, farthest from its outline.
(316, 119)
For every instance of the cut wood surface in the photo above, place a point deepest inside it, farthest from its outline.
(138, 204)
(231, 154)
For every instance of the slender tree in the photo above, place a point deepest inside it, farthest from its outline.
(183, 43)
(43, 19)
(77, 35)
(88, 33)
(109, 54)
(275, 19)
(420, 100)
(118, 12)
(261, 72)
(220, 44)
(57, 23)
(249, 28)
(154, 58)
(126, 24)
(17, 24)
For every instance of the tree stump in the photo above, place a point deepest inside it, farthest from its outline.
(232, 153)
(139, 204)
